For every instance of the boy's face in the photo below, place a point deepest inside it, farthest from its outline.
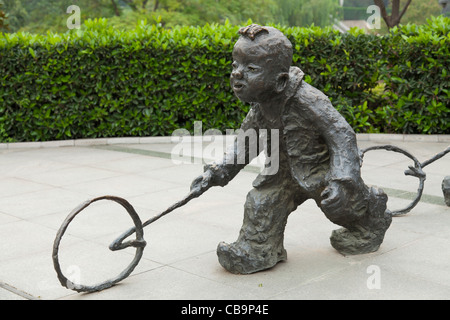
(254, 75)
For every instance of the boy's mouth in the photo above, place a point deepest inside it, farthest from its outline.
(238, 86)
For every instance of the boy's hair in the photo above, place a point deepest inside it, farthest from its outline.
(275, 42)
(252, 31)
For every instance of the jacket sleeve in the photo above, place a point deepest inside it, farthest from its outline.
(238, 154)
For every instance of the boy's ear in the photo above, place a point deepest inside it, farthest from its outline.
(282, 81)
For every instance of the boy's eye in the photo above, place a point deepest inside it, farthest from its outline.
(234, 65)
(252, 69)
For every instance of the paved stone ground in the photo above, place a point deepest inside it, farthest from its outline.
(41, 183)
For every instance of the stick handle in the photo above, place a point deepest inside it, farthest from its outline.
(118, 244)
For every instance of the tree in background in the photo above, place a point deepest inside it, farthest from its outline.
(50, 15)
(16, 13)
(396, 15)
(44, 15)
(3, 18)
(306, 12)
(419, 11)
(194, 12)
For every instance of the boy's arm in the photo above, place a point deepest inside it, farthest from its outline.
(219, 174)
(342, 146)
(337, 133)
(344, 175)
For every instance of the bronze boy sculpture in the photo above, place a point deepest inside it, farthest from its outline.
(318, 159)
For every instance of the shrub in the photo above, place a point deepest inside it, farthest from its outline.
(103, 82)
(417, 78)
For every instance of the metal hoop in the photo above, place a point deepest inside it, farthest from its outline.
(415, 171)
(139, 244)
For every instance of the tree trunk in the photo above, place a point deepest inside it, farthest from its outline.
(395, 17)
(131, 4)
(116, 9)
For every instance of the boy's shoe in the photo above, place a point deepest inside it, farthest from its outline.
(367, 235)
(242, 258)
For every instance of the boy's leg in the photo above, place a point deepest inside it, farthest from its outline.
(260, 242)
(365, 221)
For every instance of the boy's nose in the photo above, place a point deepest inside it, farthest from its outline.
(237, 74)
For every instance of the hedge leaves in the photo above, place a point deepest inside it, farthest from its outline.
(102, 82)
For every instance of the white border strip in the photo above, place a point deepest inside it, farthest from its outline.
(386, 137)
(374, 137)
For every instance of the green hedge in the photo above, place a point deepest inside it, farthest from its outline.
(417, 79)
(102, 82)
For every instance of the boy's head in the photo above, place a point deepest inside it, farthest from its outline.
(261, 60)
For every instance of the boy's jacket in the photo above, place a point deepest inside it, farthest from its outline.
(315, 141)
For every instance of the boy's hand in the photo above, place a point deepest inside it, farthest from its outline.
(202, 183)
(334, 197)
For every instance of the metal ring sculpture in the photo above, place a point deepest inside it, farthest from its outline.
(117, 244)
(139, 242)
(415, 171)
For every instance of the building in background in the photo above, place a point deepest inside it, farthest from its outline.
(445, 7)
